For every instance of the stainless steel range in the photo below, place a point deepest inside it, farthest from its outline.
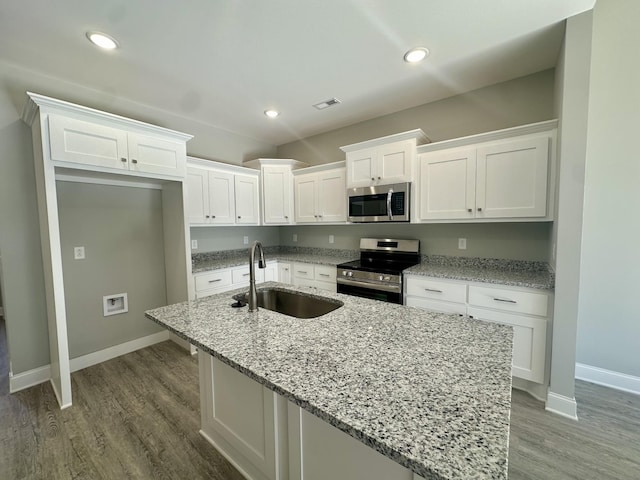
(378, 273)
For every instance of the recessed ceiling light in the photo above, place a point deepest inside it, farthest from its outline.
(416, 54)
(102, 40)
(271, 113)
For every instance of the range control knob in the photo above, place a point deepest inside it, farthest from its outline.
(350, 274)
(344, 272)
(381, 277)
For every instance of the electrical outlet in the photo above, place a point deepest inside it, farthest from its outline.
(78, 253)
(295, 237)
(332, 239)
(462, 244)
(246, 240)
(194, 244)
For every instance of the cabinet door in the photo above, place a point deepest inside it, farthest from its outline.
(305, 187)
(332, 196)
(246, 199)
(284, 272)
(361, 167)
(198, 195)
(447, 184)
(512, 179)
(395, 162)
(155, 155)
(221, 197)
(276, 195)
(271, 273)
(87, 143)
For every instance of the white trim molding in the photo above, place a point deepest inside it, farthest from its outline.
(561, 405)
(608, 378)
(39, 375)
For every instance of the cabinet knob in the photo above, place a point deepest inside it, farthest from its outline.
(133, 160)
(207, 216)
(122, 159)
(379, 178)
(239, 216)
(286, 217)
(479, 209)
(213, 216)
(373, 179)
(469, 210)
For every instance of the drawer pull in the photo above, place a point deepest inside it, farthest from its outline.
(216, 280)
(435, 290)
(504, 300)
(246, 274)
(324, 274)
(302, 271)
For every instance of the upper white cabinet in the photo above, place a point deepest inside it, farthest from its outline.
(507, 175)
(276, 185)
(220, 194)
(89, 145)
(383, 160)
(320, 194)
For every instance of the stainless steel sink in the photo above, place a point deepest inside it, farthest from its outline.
(294, 304)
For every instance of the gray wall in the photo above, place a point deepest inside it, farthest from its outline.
(121, 230)
(517, 241)
(524, 100)
(213, 239)
(23, 277)
(609, 322)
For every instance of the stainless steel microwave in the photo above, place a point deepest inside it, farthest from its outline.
(380, 203)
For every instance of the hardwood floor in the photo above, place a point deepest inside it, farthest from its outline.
(137, 416)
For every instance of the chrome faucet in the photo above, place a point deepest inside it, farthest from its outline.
(253, 293)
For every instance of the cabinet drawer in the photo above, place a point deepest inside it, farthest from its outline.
(216, 279)
(303, 270)
(324, 273)
(240, 275)
(531, 303)
(437, 289)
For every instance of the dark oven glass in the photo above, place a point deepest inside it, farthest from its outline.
(370, 293)
(375, 205)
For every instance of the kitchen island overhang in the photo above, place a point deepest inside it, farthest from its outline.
(430, 391)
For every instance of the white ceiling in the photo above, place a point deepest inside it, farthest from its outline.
(223, 62)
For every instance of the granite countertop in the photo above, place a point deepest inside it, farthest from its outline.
(515, 273)
(430, 391)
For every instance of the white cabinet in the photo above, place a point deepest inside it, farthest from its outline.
(507, 178)
(384, 160)
(220, 195)
(97, 145)
(284, 272)
(225, 279)
(320, 194)
(276, 182)
(322, 277)
(527, 311)
(243, 419)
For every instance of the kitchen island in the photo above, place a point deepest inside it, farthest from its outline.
(431, 392)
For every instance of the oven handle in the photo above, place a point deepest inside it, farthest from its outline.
(389, 194)
(370, 285)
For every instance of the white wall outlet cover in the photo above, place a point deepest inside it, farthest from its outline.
(115, 304)
(462, 243)
(295, 237)
(246, 240)
(78, 253)
(194, 244)
(332, 239)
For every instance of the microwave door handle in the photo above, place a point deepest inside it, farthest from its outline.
(389, 194)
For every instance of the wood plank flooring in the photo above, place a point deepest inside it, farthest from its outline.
(137, 417)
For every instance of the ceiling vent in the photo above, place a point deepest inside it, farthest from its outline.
(327, 103)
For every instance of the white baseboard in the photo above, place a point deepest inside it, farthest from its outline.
(561, 405)
(27, 379)
(608, 378)
(39, 375)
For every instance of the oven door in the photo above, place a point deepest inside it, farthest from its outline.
(391, 293)
(382, 203)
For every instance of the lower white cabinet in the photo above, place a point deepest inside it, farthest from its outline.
(225, 279)
(322, 277)
(284, 272)
(244, 420)
(267, 437)
(528, 311)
